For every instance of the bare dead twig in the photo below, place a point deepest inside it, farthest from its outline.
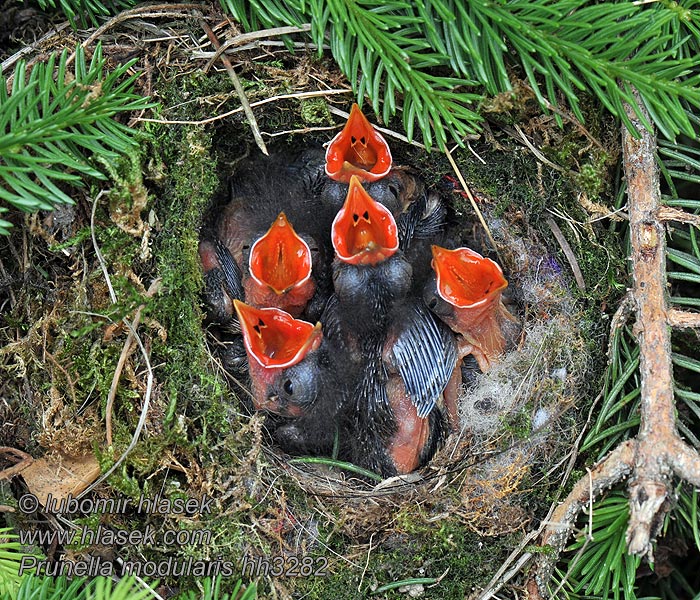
(299, 95)
(23, 461)
(684, 461)
(8, 62)
(648, 487)
(657, 451)
(254, 35)
(683, 319)
(606, 473)
(670, 213)
(238, 87)
(154, 10)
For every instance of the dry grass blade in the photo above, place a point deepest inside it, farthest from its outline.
(126, 351)
(465, 187)
(146, 359)
(238, 87)
(569, 253)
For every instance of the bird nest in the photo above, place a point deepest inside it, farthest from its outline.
(152, 402)
(518, 421)
(515, 418)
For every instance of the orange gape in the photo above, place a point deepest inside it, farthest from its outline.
(364, 232)
(473, 285)
(280, 270)
(358, 150)
(273, 338)
(274, 341)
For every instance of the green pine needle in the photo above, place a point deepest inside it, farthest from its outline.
(10, 560)
(84, 13)
(600, 567)
(439, 57)
(619, 413)
(80, 588)
(33, 587)
(212, 591)
(54, 120)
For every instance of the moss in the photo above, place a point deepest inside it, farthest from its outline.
(511, 180)
(192, 182)
(314, 111)
(416, 548)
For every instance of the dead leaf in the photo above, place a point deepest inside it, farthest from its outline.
(60, 476)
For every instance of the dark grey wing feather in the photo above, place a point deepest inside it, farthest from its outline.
(424, 219)
(424, 354)
(233, 278)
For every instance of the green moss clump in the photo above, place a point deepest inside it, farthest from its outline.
(314, 111)
(415, 549)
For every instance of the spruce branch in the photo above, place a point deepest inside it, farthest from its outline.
(259, 14)
(374, 48)
(567, 46)
(603, 568)
(439, 56)
(53, 120)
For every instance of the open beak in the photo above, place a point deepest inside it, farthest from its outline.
(364, 232)
(358, 150)
(473, 284)
(465, 278)
(274, 338)
(280, 259)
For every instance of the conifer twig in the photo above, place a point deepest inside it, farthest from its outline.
(616, 465)
(683, 319)
(669, 213)
(657, 452)
(649, 485)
